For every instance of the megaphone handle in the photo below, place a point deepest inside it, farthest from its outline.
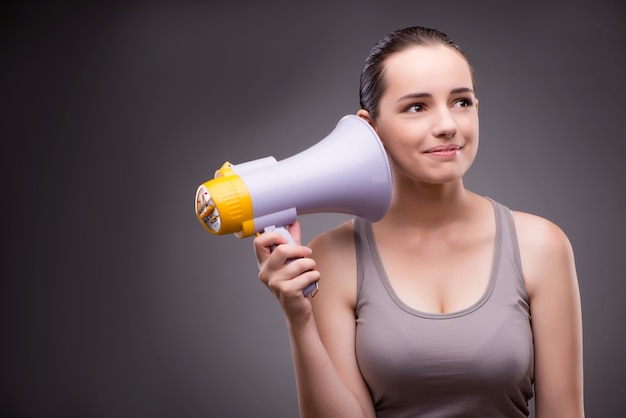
(310, 290)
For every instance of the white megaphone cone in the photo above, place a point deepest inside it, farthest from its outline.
(346, 172)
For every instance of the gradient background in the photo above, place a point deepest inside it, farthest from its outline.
(117, 303)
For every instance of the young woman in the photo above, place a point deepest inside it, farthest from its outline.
(451, 305)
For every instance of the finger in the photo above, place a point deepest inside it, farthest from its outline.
(289, 251)
(275, 270)
(293, 286)
(286, 254)
(267, 242)
(267, 239)
(297, 266)
(263, 244)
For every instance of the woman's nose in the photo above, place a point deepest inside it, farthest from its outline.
(444, 124)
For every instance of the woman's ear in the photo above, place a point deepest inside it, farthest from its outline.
(365, 115)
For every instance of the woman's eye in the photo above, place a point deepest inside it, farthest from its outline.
(414, 108)
(463, 103)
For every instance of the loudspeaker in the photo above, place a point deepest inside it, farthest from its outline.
(346, 172)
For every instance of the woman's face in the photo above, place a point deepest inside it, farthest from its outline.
(428, 114)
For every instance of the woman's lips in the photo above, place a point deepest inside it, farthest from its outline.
(444, 150)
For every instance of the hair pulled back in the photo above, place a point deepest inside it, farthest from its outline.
(372, 84)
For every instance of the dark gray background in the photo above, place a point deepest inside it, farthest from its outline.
(117, 303)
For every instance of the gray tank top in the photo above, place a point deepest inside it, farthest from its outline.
(477, 362)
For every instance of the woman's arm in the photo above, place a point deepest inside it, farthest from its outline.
(550, 275)
(321, 329)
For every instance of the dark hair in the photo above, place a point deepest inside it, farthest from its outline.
(372, 83)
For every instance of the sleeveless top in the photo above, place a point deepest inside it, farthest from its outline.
(477, 362)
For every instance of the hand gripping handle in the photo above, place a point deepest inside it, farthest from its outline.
(310, 290)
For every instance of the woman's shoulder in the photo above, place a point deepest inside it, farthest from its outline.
(339, 238)
(545, 250)
(538, 231)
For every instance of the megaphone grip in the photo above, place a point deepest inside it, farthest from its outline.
(310, 290)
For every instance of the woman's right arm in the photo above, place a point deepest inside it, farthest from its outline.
(321, 329)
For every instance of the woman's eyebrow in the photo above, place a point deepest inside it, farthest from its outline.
(461, 90)
(414, 96)
(422, 95)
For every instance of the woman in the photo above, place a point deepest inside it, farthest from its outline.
(451, 305)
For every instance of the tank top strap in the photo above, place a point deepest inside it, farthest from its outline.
(362, 247)
(509, 247)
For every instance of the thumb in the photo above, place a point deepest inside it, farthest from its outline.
(294, 231)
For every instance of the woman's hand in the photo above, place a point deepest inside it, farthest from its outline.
(287, 271)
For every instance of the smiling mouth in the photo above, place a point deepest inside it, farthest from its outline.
(444, 149)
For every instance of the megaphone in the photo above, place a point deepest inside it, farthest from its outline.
(347, 172)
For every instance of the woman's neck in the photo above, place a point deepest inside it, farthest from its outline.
(429, 205)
